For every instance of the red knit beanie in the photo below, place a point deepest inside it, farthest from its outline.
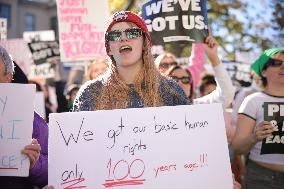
(127, 16)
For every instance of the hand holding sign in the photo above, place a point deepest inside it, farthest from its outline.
(210, 48)
(32, 151)
(263, 130)
(48, 187)
(171, 21)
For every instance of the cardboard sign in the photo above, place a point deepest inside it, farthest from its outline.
(162, 147)
(171, 21)
(81, 29)
(16, 125)
(274, 112)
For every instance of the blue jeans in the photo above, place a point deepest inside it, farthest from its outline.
(258, 177)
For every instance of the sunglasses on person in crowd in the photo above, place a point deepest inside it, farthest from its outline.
(184, 79)
(131, 33)
(167, 65)
(274, 63)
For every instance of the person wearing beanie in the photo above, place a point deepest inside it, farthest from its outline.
(259, 64)
(37, 150)
(260, 125)
(131, 80)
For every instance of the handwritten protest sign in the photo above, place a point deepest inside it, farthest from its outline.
(274, 113)
(81, 29)
(16, 122)
(166, 147)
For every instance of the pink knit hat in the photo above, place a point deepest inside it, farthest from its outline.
(127, 16)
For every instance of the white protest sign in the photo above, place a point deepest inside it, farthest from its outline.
(20, 52)
(239, 73)
(40, 104)
(81, 29)
(41, 71)
(166, 147)
(3, 28)
(43, 35)
(16, 124)
(247, 57)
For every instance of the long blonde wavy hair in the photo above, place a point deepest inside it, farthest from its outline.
(114, 93)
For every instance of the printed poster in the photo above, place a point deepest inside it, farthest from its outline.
(274, 113)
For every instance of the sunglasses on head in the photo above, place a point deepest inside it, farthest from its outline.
(274, 63)
(184, 79)
(167, 65)
(131, 33)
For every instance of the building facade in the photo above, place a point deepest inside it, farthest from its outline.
(26, 15)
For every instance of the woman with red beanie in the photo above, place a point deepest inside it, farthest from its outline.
(132, 80)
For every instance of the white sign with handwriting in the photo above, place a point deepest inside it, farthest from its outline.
(161, 147)
(16, 125)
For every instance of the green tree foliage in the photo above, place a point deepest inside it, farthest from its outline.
(246, 25)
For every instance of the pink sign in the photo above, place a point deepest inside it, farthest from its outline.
(20, 52)
(81, 29)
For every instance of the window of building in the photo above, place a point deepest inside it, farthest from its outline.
(29, 22)
(54, 25)
(5, 12)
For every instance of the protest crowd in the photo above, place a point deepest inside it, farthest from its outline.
(127, 75)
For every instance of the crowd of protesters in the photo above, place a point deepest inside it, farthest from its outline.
(132, 78)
